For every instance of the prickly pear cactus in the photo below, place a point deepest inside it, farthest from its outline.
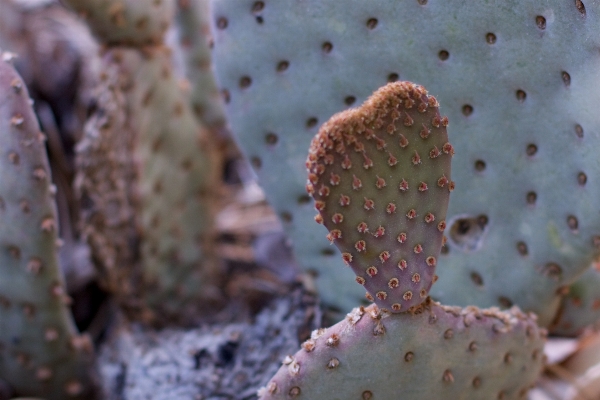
(438, 352)
(380, 175)
(193, 27)
(177, 189)
(137, 23)
(41, 353)
(580, 308)
(165, 176)
(163, 200)
(519, 83)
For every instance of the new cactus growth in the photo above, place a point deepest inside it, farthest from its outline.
(438, 352)
(41, 353)
(380, 175)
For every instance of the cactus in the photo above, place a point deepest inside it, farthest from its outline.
(161, 186)
(103, 186)
(380, 175)
(41, 353)
(436, 353)
(374, 353)
(176, 189)
(121, 22)
(193, 27)
(580, 308)
(516, 115)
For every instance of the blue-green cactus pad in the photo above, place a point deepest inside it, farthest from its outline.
(517, 80)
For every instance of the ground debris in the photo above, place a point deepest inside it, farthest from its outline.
(221, 362)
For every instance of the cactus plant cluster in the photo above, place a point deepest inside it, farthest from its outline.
(519, 83)
(147, 177)
(380, 177)
(448, 279)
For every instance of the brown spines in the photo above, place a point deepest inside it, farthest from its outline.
(362, 227)
(334, 235)
(356, 183)
(334, 179)
(402, 264)
(390, 208)
(344, 200)
(429, 217)
(337, 218)
(385, 165)
(347, 257)
(403, 141)
(416, 158)
(380, 231)
(403, 186)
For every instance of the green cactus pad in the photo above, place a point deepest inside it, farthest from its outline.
(41, 353)
(134, 22)
(580, 308)
(178, 186)
(438, 352)
(518, 81)
(380, 175)
(166, 187)
(193, 26)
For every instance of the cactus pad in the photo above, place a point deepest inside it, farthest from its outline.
(162, 200)
(41, 353)
(137, 22)
(438, 352)
(580, 308)
(519, 85)
(193, 27)
(380, 175)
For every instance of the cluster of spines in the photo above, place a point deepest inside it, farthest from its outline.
(380, 177)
